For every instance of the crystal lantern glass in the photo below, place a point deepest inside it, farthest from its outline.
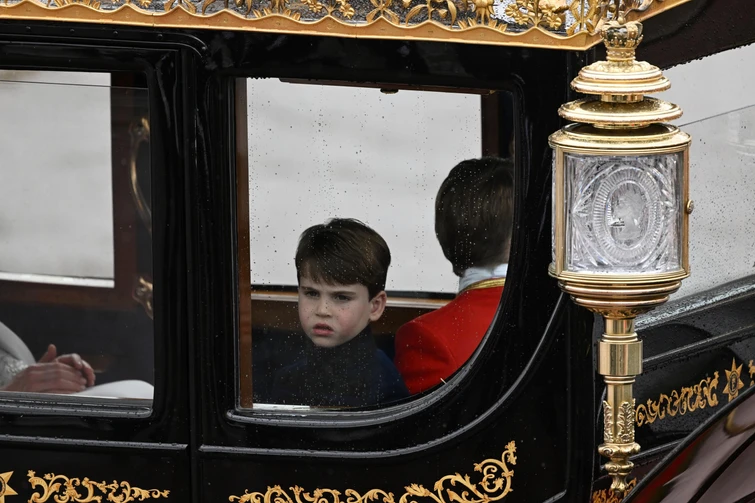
(623, 214)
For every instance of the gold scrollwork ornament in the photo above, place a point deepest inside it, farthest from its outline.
(687, 399)
(495, 485)
(63, 489)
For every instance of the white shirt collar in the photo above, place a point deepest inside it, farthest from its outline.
(477, 274)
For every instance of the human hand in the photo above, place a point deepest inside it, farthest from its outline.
(52, 377)
(72, 359)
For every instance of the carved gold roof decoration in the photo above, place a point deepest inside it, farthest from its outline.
(558, 24)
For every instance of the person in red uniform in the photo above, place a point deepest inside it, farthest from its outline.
(473, 222)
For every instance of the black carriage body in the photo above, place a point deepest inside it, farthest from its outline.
(527, 402)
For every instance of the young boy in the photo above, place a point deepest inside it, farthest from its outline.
(473, 223)
(341, 267)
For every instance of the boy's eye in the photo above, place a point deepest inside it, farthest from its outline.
(311, 293)
(343, 298)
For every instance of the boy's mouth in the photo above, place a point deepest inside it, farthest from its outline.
(322, 329)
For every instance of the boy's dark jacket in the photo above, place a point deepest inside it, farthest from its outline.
(354, 374)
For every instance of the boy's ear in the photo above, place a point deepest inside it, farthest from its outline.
(377, 305)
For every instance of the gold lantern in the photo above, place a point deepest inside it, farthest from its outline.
(620, 216)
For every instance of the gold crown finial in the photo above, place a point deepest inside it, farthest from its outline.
(621, 79)
(621, 40)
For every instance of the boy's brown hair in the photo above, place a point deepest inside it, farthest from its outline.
(344, 251)
(474, 213)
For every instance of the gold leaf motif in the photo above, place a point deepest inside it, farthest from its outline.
(63, 490)
(609, 496)
(688, 399)
(330, 7)
(415, 10)
(625, 422)
(495, 485)
(546, 13)
(752, 373)
(607, 423)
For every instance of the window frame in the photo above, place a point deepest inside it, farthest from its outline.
(492, 144)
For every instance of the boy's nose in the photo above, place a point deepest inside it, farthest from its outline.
(322, 308)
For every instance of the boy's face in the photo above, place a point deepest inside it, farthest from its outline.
(332, 315)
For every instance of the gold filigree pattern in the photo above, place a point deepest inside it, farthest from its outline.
(607, 423)
(495, 485)
(610, 496)
(688, 399)
(733, 380)
(693, 398)
(63, 489)
(625, 423)
(538, 23)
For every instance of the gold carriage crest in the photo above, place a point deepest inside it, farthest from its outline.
(495, 485)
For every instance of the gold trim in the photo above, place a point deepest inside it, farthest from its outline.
(63, 490)
(451, 20)
(687, 399)
(693, 398)
(5, 488)
(559, 196)
(585, 139)
(619, 280)
(609, 496)
(495, 485)
(485, 283)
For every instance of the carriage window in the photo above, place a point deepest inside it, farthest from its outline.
(376, 269)
(75, 252)
(722, 166)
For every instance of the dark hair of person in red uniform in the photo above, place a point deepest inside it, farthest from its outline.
(473, 223)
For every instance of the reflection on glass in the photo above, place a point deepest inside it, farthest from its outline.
(323, 331)
(74, 254)
(722, 180)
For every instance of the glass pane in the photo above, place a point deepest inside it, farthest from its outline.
(722, 165)
(333, 328)
(69, 237)
(75, 256)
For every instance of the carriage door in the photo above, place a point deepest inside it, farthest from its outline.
(84, 412)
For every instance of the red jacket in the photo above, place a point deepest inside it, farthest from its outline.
(435, 345)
